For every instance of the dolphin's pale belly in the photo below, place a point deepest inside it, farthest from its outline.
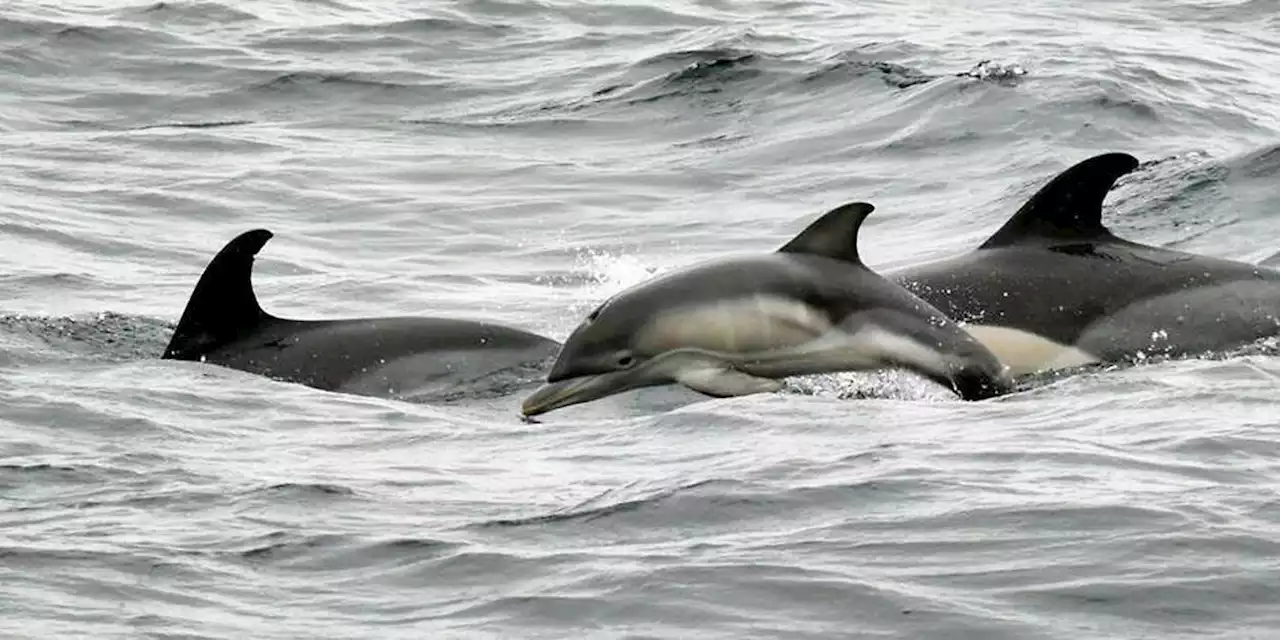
(1024, 352)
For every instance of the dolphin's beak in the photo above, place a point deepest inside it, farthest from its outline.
(571, 391)
(672, 367)
(703, 371)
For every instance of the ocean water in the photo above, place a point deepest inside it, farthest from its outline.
(520, 161)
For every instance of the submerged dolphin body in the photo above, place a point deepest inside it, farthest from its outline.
(737, 326)
(397, 357)
(1054, 288)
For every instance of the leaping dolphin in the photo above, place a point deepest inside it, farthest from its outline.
(737, 326)
(397, 357)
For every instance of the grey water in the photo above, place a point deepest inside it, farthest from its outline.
(521, 161)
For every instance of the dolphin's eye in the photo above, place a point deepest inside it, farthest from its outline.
(626, 360)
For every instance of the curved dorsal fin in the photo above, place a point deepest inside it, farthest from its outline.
(834, 234)
(222, 306)
(1069, 207)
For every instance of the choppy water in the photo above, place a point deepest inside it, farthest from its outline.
(519, 161)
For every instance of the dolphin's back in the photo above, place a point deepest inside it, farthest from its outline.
(331, 354)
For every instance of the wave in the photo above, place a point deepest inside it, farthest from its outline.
(213, 14)
(303, 490)
(14, 476)
(589, 510)
(106, 337)
(336, 552)
(412, 28)
(97, 36)
(191, 125)
(305, 80)
(1177, 199)
(723, 80)
(715, 501)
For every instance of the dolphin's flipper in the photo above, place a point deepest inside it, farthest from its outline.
(1069, 207)
(223, 306)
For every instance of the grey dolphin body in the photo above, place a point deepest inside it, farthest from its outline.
(736, 326)
(398, 357)
(1054, 288)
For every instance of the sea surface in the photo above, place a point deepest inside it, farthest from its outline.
(521, 161)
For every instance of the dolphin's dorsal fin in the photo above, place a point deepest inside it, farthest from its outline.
(834, 235)
(222, 306)
(1069, 207)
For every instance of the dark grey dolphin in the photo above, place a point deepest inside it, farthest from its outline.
(398, 357)
(736, 326)
(1054, 288)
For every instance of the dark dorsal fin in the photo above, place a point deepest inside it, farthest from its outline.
(1069, 207)
(222, 306)
(834, 235)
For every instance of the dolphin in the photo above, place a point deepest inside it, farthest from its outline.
(396, 357)
(737, 326)
(1055, 289)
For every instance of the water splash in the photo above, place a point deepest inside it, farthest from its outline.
(995, 72)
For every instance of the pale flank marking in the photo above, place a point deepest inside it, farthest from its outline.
(1024, 352)
(747, 324)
